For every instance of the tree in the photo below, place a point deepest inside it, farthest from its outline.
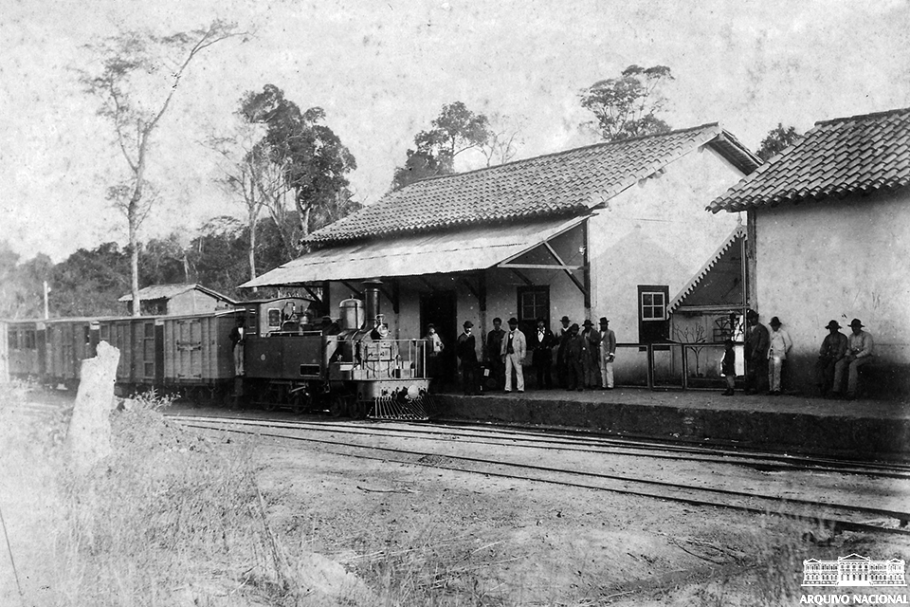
(138, 76)
(248, 176)
(502, 141)
(308, 155)
(90, 281)
(454, 131)
(627, 106)
(218, 253)
(777, 140)
(165, 261)
(22, 283)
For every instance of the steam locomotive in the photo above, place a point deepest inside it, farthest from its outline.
(347, 367)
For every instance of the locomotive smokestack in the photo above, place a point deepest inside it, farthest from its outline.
(371, 294)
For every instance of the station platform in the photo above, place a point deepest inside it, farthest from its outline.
(858, 429)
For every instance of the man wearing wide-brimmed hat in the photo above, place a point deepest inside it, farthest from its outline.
(779, 343)
(833, 349)
(859, 352)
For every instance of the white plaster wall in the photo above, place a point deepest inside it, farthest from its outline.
(191, 302)
(821, 261)
(657, 233)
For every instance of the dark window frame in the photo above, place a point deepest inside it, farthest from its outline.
(652, 329)
(525, 323)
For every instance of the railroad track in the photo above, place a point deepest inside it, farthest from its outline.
(597, 444)
(833, 515)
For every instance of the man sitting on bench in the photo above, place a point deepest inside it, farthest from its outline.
(859, 352)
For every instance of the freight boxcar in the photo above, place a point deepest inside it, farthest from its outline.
(198, 355)
(21, 349)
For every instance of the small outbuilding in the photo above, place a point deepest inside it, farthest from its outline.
(829, 238)
(177, 300)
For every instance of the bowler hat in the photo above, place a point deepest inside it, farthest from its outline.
(856, 323)
(833, 325)
(588, 323)
(564, 319)
(574, 327)
(603, 320)
(775, 321)
(513, 321)
(468, 324)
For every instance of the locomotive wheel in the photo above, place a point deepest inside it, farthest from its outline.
(300, 403)
(360, 409)
(339, 405)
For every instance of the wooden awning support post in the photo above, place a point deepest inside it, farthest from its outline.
(568, 272)
(587, 269)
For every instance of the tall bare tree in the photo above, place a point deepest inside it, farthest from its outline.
(135, 83)
(503, 139)
(248, 176)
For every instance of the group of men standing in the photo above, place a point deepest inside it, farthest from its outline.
(584, 359)
(839, 355)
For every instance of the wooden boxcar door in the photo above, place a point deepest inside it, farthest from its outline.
(41, 330)
(4, 352)
(120, 336)
(146, 347)
(189, 349)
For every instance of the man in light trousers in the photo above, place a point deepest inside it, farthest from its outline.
(780, 344)
(514, 348)
(860, 349)
(607, 353)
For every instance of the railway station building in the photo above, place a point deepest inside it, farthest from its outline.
(829, 238)
(610, 230)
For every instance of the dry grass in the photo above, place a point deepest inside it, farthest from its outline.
(170, 519)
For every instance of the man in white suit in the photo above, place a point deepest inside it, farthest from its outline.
(514, 348)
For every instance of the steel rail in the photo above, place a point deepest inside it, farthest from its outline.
(840, 523)
(756, 461)
(680, 446)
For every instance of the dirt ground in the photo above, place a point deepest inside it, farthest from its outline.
(419, 535)
(517, 542)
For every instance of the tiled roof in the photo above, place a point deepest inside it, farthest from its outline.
(856, 155)
(549, 185)
(168, 291)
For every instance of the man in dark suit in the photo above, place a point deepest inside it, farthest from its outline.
(543, 341)
(466, 349)
(561, 371)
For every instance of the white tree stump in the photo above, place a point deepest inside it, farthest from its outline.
(89, 436)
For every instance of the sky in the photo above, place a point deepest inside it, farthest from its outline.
(383, 70)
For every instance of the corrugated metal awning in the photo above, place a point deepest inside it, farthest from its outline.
(476, 248)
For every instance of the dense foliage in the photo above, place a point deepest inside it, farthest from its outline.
(454, 131)
(628, 106)
(777, 140)
(89, 282)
